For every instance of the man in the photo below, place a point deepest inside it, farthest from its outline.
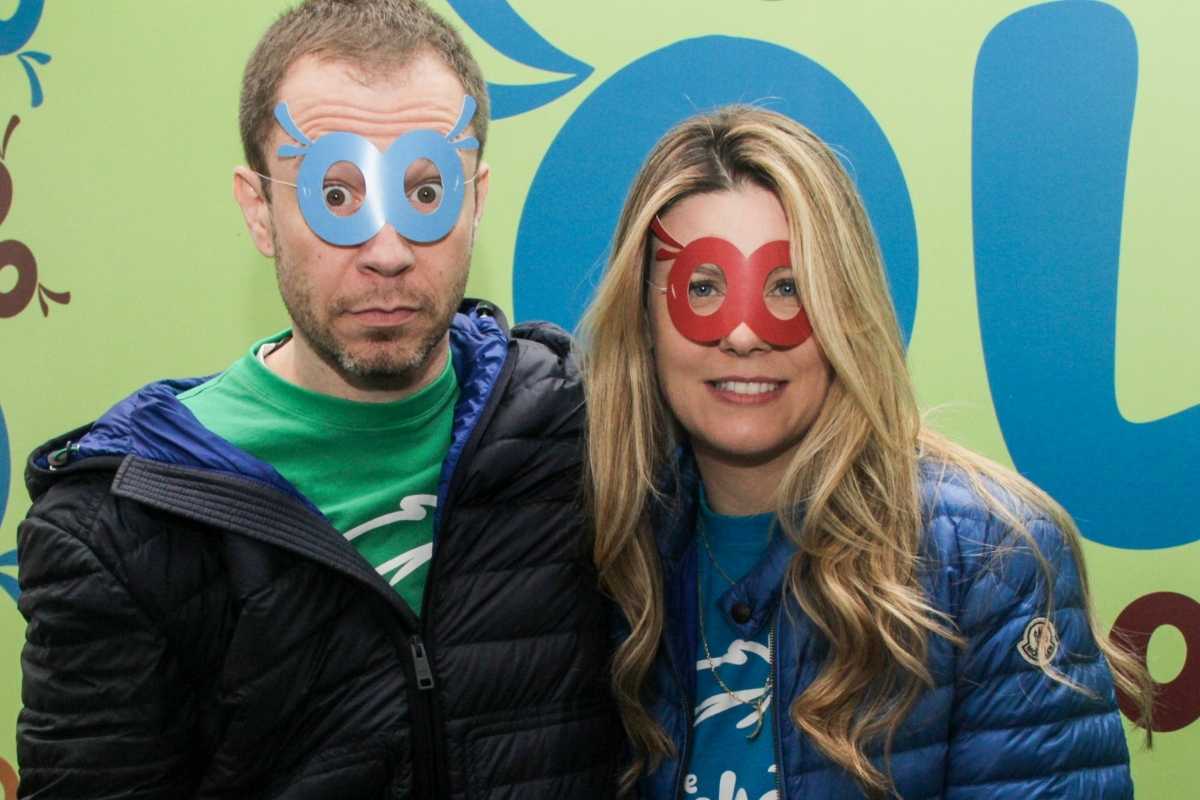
(353, 564)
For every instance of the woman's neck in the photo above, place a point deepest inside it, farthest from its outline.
(738, 488)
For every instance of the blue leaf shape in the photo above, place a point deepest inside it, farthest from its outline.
(510, 100)
(504, 29)
(5, 466)
(37, 55)
(35, 85)
(1055, 87)
(18, 29)
(8, 559)
(10, 585)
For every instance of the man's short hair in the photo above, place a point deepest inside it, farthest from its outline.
(372, 35)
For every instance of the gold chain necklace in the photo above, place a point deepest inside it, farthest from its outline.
(759, 702)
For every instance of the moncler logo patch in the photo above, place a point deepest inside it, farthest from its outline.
(1039, 634)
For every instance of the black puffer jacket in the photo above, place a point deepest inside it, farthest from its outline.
(196, 629)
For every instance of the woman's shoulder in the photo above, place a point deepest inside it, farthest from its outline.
(980, 501)
(976, 522)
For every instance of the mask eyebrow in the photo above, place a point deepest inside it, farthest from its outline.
(464, 118)
(664, 254)
(284, 118)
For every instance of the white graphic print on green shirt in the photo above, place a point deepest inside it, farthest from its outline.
(371, 468)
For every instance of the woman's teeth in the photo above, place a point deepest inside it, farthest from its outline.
(746, 387)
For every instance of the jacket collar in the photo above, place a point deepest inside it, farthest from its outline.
(153, 425)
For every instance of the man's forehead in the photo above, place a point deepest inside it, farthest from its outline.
(321, 118)
(378, 103)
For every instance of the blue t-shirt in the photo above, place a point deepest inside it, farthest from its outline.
(725, 764)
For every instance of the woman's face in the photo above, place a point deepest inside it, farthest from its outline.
(741, 399)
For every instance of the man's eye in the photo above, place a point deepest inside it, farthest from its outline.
(427, 194)
(336, 196)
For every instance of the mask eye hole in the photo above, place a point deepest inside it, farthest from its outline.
(780, 293)
(706, 289)
(423, 186)
(343, 189)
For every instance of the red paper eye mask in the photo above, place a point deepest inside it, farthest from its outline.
(745, 284)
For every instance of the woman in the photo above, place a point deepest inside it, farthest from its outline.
(821, 596)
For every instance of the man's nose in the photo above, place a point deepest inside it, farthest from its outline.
(742, 341)
(387, 253)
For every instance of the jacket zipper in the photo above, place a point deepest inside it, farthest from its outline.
(421, 664)
(422, 643)
(421, 705)
(777, 728)
(685, 757)
(687, 704)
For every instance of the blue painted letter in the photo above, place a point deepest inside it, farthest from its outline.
(1053, 108)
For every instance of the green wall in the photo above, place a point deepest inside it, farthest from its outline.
(122, 191)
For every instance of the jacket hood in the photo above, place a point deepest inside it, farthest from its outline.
(152, 424)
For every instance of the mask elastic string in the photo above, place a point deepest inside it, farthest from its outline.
(274, 180)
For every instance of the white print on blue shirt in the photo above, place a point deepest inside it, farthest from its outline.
(721, 701)
(741, 658)
(728, 790)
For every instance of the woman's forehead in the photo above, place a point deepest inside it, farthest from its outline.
(747, 216)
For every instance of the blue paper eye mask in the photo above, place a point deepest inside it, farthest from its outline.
(348, 190)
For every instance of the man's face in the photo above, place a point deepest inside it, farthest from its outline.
(368, 318)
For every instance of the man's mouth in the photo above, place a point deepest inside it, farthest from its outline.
(383, 315)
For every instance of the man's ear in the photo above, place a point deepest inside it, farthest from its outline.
(256, 209)
(481, 189)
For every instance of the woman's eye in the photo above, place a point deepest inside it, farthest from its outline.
(784, 288)
(703, 288)
(427, 194)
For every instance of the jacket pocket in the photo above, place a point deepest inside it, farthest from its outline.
(372, 768)
(557, 754)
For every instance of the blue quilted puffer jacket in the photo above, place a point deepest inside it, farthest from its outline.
(994, 726)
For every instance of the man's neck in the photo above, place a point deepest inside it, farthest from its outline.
(296, 363)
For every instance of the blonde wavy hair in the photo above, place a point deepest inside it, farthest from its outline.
(855, 472)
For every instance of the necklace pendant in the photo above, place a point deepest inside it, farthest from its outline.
(758, 726)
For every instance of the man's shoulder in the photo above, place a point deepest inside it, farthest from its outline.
(152, 425)
(546, 335)
(544, 350)
(533, 360)
(81, 533)
(100, 445)
(539, 394)
(544, 368)
(528, 454)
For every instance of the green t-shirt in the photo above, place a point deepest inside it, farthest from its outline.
(371, 468)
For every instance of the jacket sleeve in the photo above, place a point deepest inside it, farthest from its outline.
(101, 716)
(1016, 732)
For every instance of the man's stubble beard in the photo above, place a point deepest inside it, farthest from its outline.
(383, 369)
